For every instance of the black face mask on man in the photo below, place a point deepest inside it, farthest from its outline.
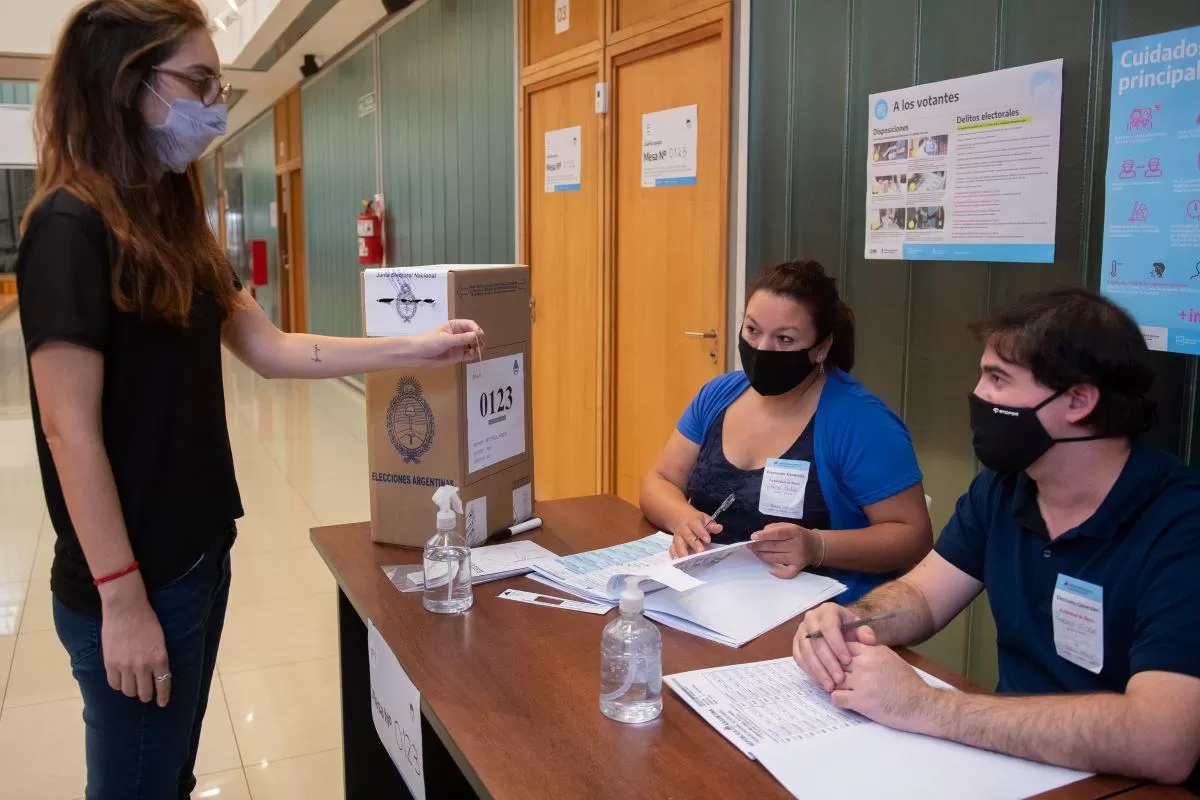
(1012, 438)
(775, 372)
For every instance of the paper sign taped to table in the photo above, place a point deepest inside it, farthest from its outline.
(396, 710)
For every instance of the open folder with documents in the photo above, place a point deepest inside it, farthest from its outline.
(774, 713)
(724, 594)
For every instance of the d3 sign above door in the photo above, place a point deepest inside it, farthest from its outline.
(562, 16)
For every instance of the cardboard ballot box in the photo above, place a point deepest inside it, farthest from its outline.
(467, 425)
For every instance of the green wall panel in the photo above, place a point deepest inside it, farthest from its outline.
(813, 64)
(259, 186)
(208, 178)
(339, 173)
(446, 105)
(18, 94)
(233, 154)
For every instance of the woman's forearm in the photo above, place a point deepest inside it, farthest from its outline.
(308, 356)
(883, 547)
(662, 501)
(90, 491)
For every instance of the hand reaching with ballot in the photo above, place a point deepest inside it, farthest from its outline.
(787, 548)
(692, 534)
(456, 341)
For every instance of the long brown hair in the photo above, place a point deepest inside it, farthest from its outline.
(807, 283)
(93, 142)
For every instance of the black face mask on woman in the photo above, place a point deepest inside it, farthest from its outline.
(774, 372)
(1012, 438)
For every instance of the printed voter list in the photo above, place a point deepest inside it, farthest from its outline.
(966, 169)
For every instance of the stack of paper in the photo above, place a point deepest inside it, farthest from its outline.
(492, 563)
(724, 594)
(774, 713)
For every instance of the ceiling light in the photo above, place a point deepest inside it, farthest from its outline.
(233, 5)
(220, 23)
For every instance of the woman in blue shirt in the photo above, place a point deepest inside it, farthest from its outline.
(824, 474)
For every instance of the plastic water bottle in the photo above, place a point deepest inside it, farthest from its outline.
(447, 562)
(631, 662)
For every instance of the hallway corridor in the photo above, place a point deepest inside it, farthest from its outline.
(273, 727)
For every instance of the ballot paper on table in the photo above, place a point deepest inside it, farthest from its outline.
(491, 563)
(725, 594)
(774, 713)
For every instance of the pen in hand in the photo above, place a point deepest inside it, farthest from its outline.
(859, 623)
(720, 510)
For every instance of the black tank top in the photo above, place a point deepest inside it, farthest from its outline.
(714, 478)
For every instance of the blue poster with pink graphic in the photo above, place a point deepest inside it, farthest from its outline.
(1152, 212)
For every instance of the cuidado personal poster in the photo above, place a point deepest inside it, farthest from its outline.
(1151, 255)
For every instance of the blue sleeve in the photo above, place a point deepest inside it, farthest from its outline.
(877, 459)
(1168, 608)
(963, 542)
(713, 398)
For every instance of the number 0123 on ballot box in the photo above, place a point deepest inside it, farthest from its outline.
(466, 425)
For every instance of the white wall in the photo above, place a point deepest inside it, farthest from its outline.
(32, 27)
(16, 137)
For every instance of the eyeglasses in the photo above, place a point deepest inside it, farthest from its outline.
(210, 88)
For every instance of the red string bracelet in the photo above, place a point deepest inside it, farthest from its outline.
(119, 574)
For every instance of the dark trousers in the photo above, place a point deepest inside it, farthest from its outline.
(136, 750)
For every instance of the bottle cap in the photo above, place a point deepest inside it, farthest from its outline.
(449, 506)
(633, 599)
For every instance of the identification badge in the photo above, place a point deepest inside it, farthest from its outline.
(783, 485)
(1078, 612)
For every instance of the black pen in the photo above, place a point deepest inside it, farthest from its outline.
(515, 530)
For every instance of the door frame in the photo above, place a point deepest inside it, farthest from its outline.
(556, 74)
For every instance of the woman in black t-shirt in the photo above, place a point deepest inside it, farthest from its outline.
(125, 301)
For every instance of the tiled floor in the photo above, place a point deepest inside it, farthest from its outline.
(273, 728)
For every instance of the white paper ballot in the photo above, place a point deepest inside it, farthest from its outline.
(773, 712)
(492, 563)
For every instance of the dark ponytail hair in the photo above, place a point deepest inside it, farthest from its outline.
(806, 283)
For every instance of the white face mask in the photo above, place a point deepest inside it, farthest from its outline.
(188, 130)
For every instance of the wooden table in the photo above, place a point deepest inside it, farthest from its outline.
(509, 691)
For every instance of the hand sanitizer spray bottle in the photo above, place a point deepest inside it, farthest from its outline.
(447, 559)
(631, 662)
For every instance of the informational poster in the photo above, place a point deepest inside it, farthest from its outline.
(495, 411)
(966, 169)
(1151, 256)
(396, 711)
(669, 147)
(562, 16)
(563, 161)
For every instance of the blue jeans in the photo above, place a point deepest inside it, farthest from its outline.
(136, 750)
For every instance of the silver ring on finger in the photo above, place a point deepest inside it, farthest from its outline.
(166, 676)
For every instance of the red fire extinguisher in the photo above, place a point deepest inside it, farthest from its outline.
(370, 236)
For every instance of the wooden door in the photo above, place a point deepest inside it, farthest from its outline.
(283, 225)
(670, 242)
(297, 296)
(562, 246)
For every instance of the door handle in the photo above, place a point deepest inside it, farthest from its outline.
(711, 334)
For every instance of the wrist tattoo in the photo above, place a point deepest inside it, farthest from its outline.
(316, 353)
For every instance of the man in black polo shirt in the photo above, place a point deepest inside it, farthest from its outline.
(1088, 543)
